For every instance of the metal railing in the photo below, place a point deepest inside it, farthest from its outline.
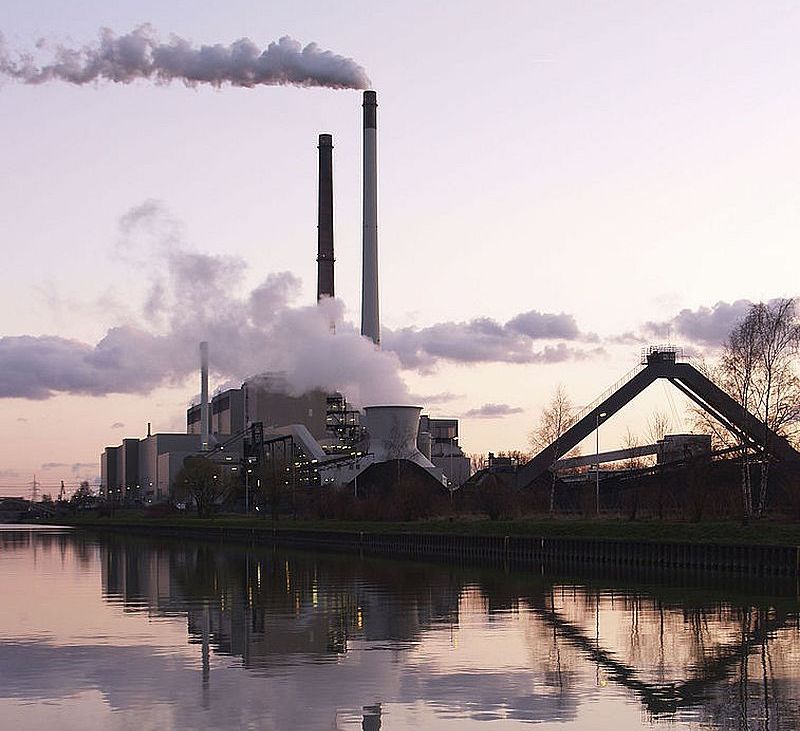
(611, 389)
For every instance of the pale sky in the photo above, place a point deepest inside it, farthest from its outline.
(613, 162)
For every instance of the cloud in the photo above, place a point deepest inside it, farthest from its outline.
(117, 425)
(485, 340)
(81, 467)
(193, 296)
(21, 418)
(54, 465)
(435, 398)
(492, 411)
(540, 325)
(708, 326)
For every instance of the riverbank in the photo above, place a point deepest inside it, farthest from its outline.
(524, 544)
(763, 533)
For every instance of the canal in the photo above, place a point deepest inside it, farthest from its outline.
(117, 632)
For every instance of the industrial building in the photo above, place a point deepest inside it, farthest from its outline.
(438, 441)
(324, 439)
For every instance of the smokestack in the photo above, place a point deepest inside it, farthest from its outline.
(325, 219)
(370, 317)
(204, 437)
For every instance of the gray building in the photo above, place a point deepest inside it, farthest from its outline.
(438, 440)
(227, 414)
(161, 457)
(267, 399)
(109, 477)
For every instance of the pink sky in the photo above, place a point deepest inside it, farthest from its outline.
(613, 163)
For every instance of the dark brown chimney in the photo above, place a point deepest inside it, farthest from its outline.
(325, 219)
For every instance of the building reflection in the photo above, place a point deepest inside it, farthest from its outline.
(725, 658)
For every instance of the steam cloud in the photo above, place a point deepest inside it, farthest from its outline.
(141, 55)
(193, 297)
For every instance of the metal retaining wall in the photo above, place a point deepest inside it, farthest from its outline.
(521, 551)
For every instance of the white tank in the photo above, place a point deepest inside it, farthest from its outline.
(393, 435)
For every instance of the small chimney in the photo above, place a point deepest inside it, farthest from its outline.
(370, 317)
(325, 257)
(148, 429)
(204, 436)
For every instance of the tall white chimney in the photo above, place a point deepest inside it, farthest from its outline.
(370, 316)
(204, 431)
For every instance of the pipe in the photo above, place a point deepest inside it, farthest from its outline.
(325, 257)
(204, 431)
(370, 316)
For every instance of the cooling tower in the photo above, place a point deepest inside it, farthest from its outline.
(325, 219)
(393, 435)
(370, 316)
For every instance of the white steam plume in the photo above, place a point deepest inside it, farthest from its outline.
(194, 297)
(141, 55)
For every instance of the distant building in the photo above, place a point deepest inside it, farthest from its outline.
(227, 414)
(161, 457)
(682, 447)
(437, 439)
(109, 477)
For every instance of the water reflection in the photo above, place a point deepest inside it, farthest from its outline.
(198, 635)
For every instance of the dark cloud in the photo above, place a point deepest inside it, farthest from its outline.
(117, 425)
(708, 326)
(21, 418)
(54, 465)
(492, 411)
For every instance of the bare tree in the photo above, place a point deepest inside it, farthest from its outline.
(778, 334)
(478, 461)
(658, 426)
(631, 441)
(738, 366)
(555, 419)
(757, 370)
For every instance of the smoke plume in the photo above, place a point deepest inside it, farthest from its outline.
(141, 55)
(193, 297)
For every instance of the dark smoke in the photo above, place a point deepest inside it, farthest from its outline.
(141, 55)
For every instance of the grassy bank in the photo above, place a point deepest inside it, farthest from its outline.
(759, 533)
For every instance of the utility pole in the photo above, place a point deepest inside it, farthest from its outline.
(35, 490)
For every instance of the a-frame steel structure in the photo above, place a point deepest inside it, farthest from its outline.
(661, 362)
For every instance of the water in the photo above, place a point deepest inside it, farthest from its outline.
(129, 633)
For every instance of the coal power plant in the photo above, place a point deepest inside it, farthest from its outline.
(263, 430)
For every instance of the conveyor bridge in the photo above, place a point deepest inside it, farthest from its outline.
(662, 362)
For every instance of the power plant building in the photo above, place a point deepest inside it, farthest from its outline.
(331, 440)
